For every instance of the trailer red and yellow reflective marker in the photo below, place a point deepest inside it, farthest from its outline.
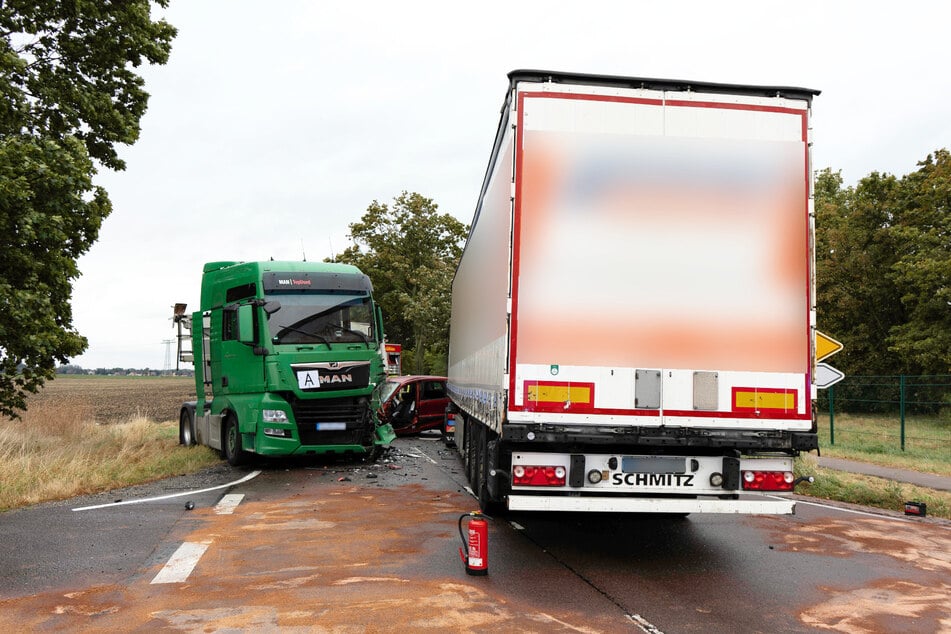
(559, 396)
(764, 400)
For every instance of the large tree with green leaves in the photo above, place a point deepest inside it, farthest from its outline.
(921, 271)
(883, 278)
(410, 251)
(857, 302)
(69, 93)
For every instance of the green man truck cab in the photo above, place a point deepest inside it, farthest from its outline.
(286, 355)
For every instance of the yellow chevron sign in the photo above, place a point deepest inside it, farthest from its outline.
(826, 346)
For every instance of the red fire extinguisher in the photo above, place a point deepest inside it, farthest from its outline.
(476, 553)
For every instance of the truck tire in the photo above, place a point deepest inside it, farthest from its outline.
(231, 443)
(373, 454)
(186, 428)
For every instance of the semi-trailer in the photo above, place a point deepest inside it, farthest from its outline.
(633, 316)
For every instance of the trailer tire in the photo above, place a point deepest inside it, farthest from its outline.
(488, 505)
(469, 456)
(186, 428)
(231, 443)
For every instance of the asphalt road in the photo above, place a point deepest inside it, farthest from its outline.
(374, 548)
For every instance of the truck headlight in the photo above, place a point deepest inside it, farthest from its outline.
(274, 416)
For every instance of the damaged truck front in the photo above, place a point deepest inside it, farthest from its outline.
(286, 356)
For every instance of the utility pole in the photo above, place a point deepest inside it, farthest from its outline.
(168, 355)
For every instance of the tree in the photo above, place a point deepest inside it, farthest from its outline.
(883, 269)
(410, 252)
(68, 94)
(922, 269)
(857, 302)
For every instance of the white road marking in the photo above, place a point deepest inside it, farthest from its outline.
(844, 510)
(422, 455)
(644, 624)
(516, 526)
(182, 562)
(228, 503)
(251, 475)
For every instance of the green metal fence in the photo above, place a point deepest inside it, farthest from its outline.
(899, 409)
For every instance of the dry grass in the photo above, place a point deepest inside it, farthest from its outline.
(63, 447)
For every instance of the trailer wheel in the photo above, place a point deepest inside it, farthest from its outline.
(233, 450)
(488, 505)
(469, 455)
(186, 428)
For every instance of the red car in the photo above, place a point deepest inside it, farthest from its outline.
(411, 404)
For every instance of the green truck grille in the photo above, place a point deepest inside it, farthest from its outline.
(311, 415)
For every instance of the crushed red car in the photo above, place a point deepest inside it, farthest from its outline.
(411, 404)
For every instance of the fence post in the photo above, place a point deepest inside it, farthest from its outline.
(831, 415)
(901, 408)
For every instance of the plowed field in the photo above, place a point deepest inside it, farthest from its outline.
(118, 399)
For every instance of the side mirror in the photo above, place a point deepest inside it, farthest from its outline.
(246, 332)
(379, 327)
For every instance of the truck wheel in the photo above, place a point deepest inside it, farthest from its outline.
(186, 428)
(233, 450)
(373, 454)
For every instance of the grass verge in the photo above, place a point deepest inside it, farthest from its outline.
(55, 453)
(866, 490)
(877, 438)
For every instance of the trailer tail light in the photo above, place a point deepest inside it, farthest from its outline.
(768, 480)
(538, 475)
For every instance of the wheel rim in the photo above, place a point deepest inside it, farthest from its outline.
(232, 438)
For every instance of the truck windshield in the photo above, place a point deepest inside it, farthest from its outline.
(314, 318)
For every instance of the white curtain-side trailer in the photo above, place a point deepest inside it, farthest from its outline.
(633, 315)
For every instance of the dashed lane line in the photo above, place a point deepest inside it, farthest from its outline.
(182, 562)
(422, 455)
(228, 503)
(644, 624)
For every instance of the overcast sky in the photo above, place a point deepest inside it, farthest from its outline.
(274, 125)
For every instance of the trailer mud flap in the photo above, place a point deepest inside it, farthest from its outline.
(492, 481)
